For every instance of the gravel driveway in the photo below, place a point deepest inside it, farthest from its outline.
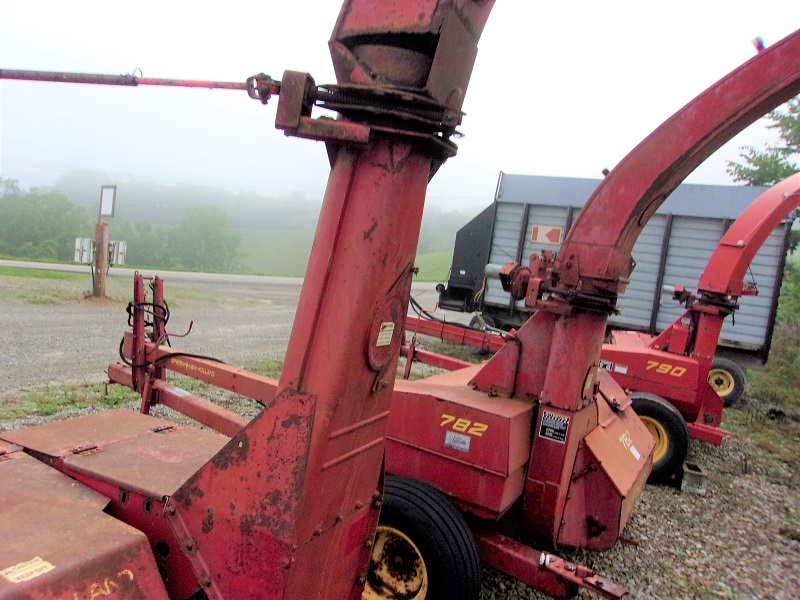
(741, 540)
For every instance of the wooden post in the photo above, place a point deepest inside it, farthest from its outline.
(100, 259)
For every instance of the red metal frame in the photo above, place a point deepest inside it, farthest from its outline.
(637, 361)
(689, 343)
(293, 497)
(287, 507)
(581, 480)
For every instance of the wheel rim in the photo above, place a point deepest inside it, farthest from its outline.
(722, 381)
(396, 568)
(658, 432)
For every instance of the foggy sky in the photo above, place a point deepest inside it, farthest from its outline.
(563, 89)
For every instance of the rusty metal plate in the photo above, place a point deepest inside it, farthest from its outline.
(623, 448)
(7, 448)
(154, 464)
(64, 437)
(58, 542)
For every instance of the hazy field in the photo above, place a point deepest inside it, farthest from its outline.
(285, 253)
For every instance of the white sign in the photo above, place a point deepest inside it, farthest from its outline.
(108, 196)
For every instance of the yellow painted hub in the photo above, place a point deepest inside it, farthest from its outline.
(658, 432)
(396, 568)
(722, 381)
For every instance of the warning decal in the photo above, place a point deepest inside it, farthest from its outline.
(554, 427)
(385, 334)
(27, 570)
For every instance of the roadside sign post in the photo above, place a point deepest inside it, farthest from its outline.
(108, 196)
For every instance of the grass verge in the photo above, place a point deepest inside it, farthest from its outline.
(53, 399)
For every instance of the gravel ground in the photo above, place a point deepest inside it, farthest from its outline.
(740, 540)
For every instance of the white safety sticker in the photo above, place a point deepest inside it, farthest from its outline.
(606, 365)
(635, 453)
(27, 570)
(621, 369)
(456, 441)
(385, 334)
(554, 427)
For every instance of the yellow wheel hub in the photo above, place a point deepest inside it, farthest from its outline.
(721, 381)
(658, 432)
(396, 568)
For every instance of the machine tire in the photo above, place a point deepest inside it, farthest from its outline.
(728, 380)
(669, 429)
(474, 323)
(419, 524)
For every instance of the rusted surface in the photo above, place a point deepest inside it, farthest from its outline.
(412, 353)
(209, 414)
(455, 333)
(676, 363)
(473, 447)
(153, 464)
(542, 570)
(92, 555)
(288, 507)
(124, 80)
(557, 351)
(62, 438)
(521, 562)
(423, 44)
(242, 382)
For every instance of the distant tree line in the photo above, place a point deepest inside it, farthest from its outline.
(39, 225)
(43, 225)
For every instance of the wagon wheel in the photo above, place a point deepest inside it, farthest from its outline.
(423, 548)
(667, 426)
(728, 380)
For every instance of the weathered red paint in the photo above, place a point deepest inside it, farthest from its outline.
(296, 492)
(412, 353)
(91, 555)
(541, 570)
(455, 333)
(124, 80)
(689, 343)
(287, 507)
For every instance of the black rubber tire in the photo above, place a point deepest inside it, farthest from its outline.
(669, 428)
(737, 376)
(441, 534)
(474, 323)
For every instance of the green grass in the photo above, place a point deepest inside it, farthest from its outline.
(777, 438)
(39, 274)
(286, 253)
(281, 253)
(434, 266)
(53, 399)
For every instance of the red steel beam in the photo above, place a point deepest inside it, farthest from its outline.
(541, 570)
(251, 385)
(201, 410)
(453, 333)
(725, 271)
(122, 80)
(295, 495)
(433, 359)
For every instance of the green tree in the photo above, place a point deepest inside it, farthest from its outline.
(204, 241)
(9, 187)
(774, 163)
(39, 225)
(148, 244)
